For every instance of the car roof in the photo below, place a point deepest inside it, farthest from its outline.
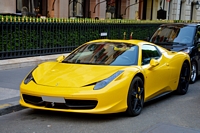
(181, 24)
(131, 41)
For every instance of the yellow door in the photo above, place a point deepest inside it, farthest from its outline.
(156, 77)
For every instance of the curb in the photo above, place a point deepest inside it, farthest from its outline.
(28, 61)
(10, 109)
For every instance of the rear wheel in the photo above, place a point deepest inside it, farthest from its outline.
(135, 98)
(184, 79)
(193, 72)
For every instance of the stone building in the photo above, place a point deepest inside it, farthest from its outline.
(105, 9)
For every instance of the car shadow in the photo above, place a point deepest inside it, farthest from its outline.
(44, 114)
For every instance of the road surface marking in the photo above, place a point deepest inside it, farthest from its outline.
(4, 106)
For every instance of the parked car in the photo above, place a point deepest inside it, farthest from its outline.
(181, 37)
(106, 76)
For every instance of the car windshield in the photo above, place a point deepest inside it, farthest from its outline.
(176, 35)
(105, 53)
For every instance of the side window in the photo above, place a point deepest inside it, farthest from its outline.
(198, 34)
(149, 52)
(198, 38)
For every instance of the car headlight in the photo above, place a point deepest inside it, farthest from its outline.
(29, 77)
(105, 82)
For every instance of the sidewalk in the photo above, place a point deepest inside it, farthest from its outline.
(28, 61)
(9, 98)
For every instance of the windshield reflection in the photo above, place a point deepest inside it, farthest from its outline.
(105, 53)
(176, 35)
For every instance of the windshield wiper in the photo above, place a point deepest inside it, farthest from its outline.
(81, 63)
(178, 43)
(67, 61)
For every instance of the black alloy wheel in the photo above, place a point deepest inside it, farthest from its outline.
(135, 100)
(193, 72)
(184, 79)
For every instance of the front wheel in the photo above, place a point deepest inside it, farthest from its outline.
(184, 79)
(135, 98)
(193, 72)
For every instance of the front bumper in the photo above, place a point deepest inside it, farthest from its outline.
(111, 99)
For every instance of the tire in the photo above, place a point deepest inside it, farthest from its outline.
(135, 99)
(193, 72)
(184, 79)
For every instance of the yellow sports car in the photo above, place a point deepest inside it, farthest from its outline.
(106, 76)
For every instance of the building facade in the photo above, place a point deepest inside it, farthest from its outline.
(105, 9)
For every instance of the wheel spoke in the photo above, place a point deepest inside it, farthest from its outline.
(135, 103)
(136, 96)
(134, 93)
(136, 87)
(183, 80)
(184, 75)
(135, 90)
(193, 72)
(141, 91)
(186, 72)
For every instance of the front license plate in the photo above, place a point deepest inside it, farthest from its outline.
(53, 99)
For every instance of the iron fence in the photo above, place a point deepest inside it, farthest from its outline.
(25, 39)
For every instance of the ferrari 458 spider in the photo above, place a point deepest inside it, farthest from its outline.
(106, 76)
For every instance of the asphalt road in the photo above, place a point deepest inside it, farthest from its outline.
(11, 78)
(169, 114)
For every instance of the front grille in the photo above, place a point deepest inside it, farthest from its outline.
(76, 104)
(69, 103)
(33, 100)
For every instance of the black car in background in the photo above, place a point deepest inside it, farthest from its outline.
(181, 37)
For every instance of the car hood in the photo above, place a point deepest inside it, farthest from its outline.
(173, 47)
(72, 75)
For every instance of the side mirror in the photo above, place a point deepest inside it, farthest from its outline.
(198, 41)
(60, 58)
(153, 63)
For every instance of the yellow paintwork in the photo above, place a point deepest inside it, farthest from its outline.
(69, 80)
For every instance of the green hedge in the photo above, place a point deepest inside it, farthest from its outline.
(26, 36)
